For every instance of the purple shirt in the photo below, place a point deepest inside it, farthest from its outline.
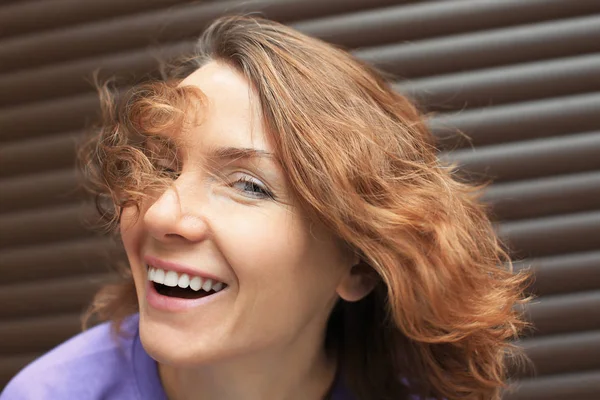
(93, 366)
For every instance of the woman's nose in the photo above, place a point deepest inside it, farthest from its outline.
(170, 219)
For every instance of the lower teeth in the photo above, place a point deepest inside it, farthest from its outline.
(179, 292)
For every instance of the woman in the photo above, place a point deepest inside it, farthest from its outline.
(290, 234)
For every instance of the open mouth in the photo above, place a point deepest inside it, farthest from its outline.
(174, 284)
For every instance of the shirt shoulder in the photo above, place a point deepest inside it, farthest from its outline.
(95, 364)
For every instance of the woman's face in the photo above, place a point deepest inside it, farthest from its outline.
(280, 272)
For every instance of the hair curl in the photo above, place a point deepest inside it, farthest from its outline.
(361, 160)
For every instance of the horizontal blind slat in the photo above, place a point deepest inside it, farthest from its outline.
(76, 76)
(488, 48)
(83, 255)
(31, 16)
(552, 235)
(38, 154)
(531, 159)
(565, 313)
(505, 84)
(580, 386)
(47, 117)
(519, 121)
(562, 194)
(564, 353)
(40, 190)
(23, 335)
(46, 225)
(49, 297)
(565, 273)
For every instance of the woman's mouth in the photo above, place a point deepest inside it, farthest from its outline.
(181, 285)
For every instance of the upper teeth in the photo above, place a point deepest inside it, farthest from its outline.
(172, 279)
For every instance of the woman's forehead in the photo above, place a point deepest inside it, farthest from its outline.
(222, 85)
(230, 111)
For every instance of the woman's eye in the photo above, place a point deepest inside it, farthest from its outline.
(252, 188)
(166, 168)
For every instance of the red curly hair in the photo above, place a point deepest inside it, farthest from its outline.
(360, 159)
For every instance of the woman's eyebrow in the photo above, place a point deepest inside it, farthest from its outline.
(237, 153)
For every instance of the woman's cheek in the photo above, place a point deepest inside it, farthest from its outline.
(131, 235)
(127, 225)
(259, 241)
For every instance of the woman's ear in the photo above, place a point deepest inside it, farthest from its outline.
(358, 282)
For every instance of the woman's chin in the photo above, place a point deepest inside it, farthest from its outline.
(171, 346)
(171, 353)
(195, 347)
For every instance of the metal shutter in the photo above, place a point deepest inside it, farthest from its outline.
(520, 77)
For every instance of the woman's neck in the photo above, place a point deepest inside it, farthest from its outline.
(282, 374)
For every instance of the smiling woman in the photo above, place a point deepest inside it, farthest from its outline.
(290, 234)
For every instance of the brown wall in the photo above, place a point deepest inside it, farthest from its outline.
(521, 78)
